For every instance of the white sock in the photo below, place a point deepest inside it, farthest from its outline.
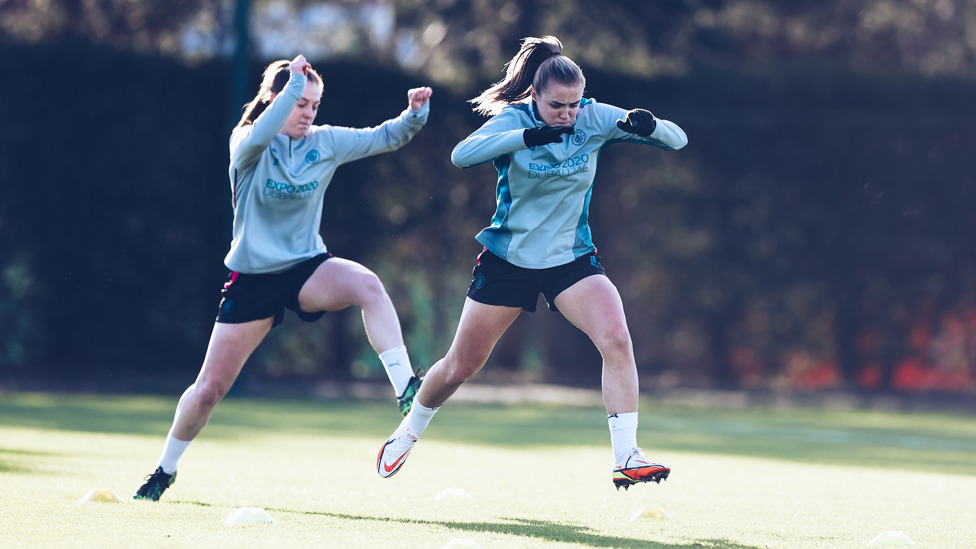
(418, 418)
(397, 365)
(172, 452)
(623, 435)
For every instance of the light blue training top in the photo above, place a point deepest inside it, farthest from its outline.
(543, 193)
(279, 183)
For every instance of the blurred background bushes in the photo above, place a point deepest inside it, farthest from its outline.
(817, 232)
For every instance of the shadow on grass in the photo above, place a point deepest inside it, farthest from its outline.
(526, 528)
(564, 533)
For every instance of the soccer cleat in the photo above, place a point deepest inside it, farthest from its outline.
(394, 453)
(406, 399)
(155, 485)
(638, 468)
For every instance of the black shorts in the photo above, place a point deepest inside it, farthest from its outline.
(495, 281)
(248, 297)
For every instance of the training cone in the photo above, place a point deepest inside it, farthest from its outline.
(458, 543)
(249, 515)
(891, 537)
(651, 513)
(453, 494)
(99, 495)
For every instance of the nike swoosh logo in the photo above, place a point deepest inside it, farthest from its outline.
(393, 465)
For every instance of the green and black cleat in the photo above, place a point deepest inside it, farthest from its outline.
(405, 401)
(155, 485)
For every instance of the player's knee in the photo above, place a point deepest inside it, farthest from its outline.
(457, 376)
(462, 369)
(209, 392)
(371, 289)
(616, 342)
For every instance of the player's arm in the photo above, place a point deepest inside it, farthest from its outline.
(354, 143)
(247, 143)
(644, 126)
(502, 134)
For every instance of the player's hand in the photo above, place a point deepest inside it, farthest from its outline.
(545, 135)
(300, 65)
(639, 121)
(418, 97)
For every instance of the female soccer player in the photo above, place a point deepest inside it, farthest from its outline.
(280, 167)
(544, 140)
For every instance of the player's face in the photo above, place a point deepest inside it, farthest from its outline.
(303, 114)
(558, 103)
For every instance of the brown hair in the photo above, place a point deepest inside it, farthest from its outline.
(536, 63)
(275, 77)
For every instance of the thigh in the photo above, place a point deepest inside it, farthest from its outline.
(479, 329)
(593, 304)
(335, 284)
(558, 279)
(230, 346)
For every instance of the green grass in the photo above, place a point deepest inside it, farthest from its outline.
(538, 476)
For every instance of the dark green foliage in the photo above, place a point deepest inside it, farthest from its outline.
(817, 210)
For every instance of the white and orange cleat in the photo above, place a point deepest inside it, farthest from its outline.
(394, 452)
(637, 468)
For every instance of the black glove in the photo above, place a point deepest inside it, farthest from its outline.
(639, 121)
(534, 137)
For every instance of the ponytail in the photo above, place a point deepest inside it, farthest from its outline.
(276, 76)
(536, 63)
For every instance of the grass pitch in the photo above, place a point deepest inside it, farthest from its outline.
(528, 475)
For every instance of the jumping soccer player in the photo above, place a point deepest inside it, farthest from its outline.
(544, 139)
(280, 167)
